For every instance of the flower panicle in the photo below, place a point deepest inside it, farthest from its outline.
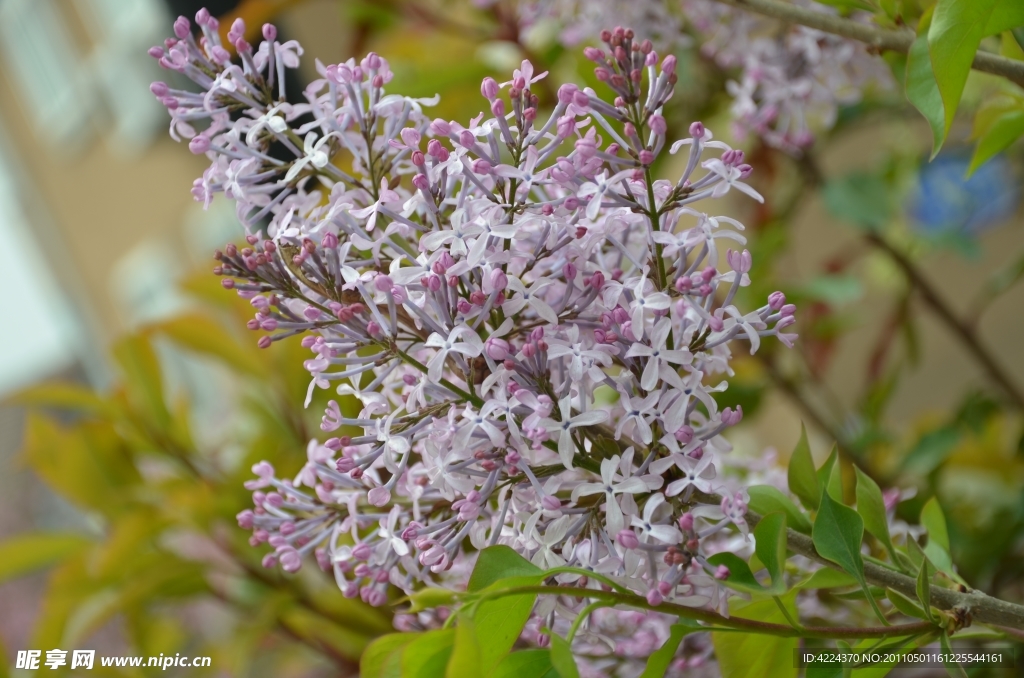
(529, 326)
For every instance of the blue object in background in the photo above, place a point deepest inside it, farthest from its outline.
(945, 200)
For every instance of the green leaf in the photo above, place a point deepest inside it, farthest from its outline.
(932, 449)
(1006, 15)
(922, 90)
(829, 475)
(748, 655)
(860, 198)
(740, 576)
(827, 578)
(871, 508)
(937, 548)
(803, 481)
(1003, 131)
(383, 657)
(953, 667)
(561, 657)
(526, 664)
(63, 396)
(498, 562)
(26, 553)
(765, 499)
(837, 535)
(924, 590)
(142, 378)
(204, 335)
(905, 605)
(499, 621)
(953, 39)
(770, 546)
(465, 659)
(824, 671)
(427, 655)
(850, 5)
(1009, 47)
(660, 659)
(835, 290)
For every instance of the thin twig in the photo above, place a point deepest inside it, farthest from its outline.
(980, 606)
(961, 329)
(881, 39)
(722, 622)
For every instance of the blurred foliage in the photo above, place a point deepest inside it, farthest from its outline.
(160, 495)
(164, 557)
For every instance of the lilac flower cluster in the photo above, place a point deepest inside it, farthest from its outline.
(792, 79)
(527, 328)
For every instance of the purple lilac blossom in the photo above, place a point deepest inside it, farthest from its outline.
(790, 80)
(533, 325)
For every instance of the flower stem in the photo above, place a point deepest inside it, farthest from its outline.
(738, 623)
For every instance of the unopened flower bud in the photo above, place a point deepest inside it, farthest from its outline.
(489, 88)
(497, 348)
(628, 540)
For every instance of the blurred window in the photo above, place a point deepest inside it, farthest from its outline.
(38, 334)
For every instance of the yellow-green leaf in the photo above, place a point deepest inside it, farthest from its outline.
(766, 499)
(871, 508)
(25, 553)
(561, 657)
(998, 135)
(526, 664)
(770, 546)
(383, 657)
(748, 655)
(803, 480)
(955, 33)
(204, 335)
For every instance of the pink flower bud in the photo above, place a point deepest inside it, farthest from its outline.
(481, 166)
(269, 32)
(686, 522)
(498, 280)
(373, 327)
(697, 130)
(199, 144)
(566, 92)
(550, 502)
(383, 283)
(566, 126)
(593, 53)
(722, 573)
(684, 434)
(498, 108)
(497, 348)
(668, 65)
(489, 88)
(570, 271)
(628, 540)
(657, 124)
(654, 597)
(378, 496)
(440, 127)
(182, 27)
(646, 157)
